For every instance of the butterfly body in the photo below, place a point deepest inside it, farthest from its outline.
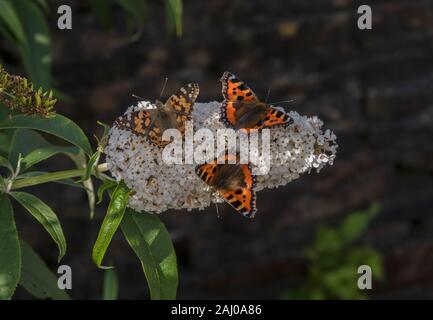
(242, 109)
(235, 183)
(173, 114)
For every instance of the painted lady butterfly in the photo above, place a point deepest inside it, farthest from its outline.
(152, 123)
(235, 183)
(241, 109)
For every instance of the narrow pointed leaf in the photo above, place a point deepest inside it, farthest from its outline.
(91, 165)
(105, 186)
(34, 148)
(45, 216)
(41, 154)
(13, 28)
(174, 15)
(10, 253)
(151, 242)
(112, 220)
(37, 278)
(57, 125)
(35, 49)
(5, 163)
(68, 182)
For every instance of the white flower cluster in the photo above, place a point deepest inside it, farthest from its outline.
(296, 149)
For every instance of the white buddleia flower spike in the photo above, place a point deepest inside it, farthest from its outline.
(157, 186)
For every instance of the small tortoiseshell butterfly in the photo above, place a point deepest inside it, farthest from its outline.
(152, 123)
(235, 183)
(241, 109)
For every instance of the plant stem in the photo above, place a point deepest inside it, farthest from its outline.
(54, 176)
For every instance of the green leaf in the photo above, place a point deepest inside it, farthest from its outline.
(108, 184)
(10, 255)
(13, 29)
(151, 242)
(327, 241)
(45, 216)
(6, 164)
(5, 140)
(174, 11)
(23, 142)
(355, 224)
(112, 220)
(43, 4)
(57, 125)
(68, 182)
(91, 165)
(110, 288)
(36, 48)
(40, 154)
(5, 112)
(34, 148)
(36, 278)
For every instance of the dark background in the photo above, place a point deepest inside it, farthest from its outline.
(373, 88)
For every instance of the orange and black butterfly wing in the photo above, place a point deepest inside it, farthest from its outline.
(207, 172)
(234, 182)
(241, 108)
(236, 95)
(242, 195)
(234, 89)
(274, 117)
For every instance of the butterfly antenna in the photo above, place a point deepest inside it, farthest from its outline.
(163, 87)
(217, 210)
(284, 101)
(267, 94)
(137, 97)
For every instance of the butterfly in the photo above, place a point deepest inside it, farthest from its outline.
(235, 183)
(241, 109)
(152, 123)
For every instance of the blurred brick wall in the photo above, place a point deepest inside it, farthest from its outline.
(373, 88)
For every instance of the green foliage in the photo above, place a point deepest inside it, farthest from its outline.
(45, 216)
(174, 12)
(38, 174)
(137, 11)
(22, 22)
(145, 233)
(113, 218)
(10, 260)
(36, 278)
(334, 260)
(6, 164)
(107, 185)
(151, 242)
(33, 149)
(36, 49)
(111, 285)
(57, 125)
